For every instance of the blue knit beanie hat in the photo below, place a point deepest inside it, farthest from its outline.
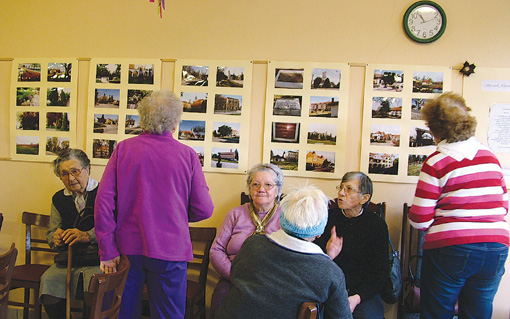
(304, 212)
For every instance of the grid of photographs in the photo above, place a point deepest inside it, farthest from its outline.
(216, 99)
(116, 86)
(306, 116)
(395, 140)
(43, 107)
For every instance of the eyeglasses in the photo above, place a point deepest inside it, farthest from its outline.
(76, 172)
(267, 186)
(348, 189)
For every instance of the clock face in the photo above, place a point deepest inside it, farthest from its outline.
(425, 21)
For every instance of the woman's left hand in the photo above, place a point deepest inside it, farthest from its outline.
(74, 235)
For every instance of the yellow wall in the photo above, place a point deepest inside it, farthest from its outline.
(362, 31)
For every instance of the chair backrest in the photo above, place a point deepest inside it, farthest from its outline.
(1, 220)
(201, 237)
(245, 198)
(31, 242)
(308, 310)
(411, 249)
(378, 208)
(101, 284)
(7, 262)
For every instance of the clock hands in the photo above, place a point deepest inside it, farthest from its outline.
(419, 13)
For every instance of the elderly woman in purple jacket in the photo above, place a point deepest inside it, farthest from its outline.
(261, 215)
(152, 187)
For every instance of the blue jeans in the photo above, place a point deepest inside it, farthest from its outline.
(166, 284)
(468, 273)
(372, 308)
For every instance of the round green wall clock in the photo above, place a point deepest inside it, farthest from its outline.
(424, 21)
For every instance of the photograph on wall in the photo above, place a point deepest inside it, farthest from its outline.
(27, 121)
(383, 163)
(200, 153)
(285, 132)
(226, 132)
(287, 105)
(428, 82)
(230, 76)
(320, 161)
(43, 103)
(106, 123)
(289, 78)
(192, 130)
(132, 125)
(134, 97)
(328, 79)
(306, 117)
(286, 159)
(388, 80)
(27, 96)
(57, 96)
(221, 107)
(228, 104)
(323, 106)
(225, 158)
(141, 74)
(108, 73)
(107, 98)
(385, 135)
(415, 163)
(103, 148)
(29, 72)
(28, 145)
(416, 106)
(59, 72)
(394, 134)
(387, 107)
(116, 88)
(55, 144)
(57, 121)
(420, 137)
(324, 134)
(194, 102)
(195, 75)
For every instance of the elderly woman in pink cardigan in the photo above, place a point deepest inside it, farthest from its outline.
(261, 215)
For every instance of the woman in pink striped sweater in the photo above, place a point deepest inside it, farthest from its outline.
(461, 201)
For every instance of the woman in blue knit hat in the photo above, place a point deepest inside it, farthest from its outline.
(275, 273)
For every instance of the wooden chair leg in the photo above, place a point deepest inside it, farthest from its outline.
(27, 301)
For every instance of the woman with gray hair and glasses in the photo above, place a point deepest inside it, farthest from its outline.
(362, 238)
(261, 215)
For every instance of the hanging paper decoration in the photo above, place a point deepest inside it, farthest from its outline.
(161, 7)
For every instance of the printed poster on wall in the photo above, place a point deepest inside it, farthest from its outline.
(395, 140)
(306, 116)
(116, 86)
(42, 107)
(487, 93)
(216, 97)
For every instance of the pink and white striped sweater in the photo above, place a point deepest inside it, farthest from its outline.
(461, 196)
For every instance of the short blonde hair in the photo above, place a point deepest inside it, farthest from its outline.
(448, 118)
(160, 112)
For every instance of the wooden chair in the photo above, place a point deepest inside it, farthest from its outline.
(28, 276)
(410, 263)
(308, 310)
(1, 220)
(111, 285)
(202, 239)
(7, 262)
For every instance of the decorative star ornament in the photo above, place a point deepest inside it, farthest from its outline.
(467, 69)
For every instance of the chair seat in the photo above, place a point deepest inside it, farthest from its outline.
(193, 290)
(29, 273)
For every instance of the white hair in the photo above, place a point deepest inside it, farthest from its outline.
(305, 207)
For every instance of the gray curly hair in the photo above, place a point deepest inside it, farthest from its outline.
(160, 112)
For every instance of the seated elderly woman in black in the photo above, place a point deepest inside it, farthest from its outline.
(362, 238)
(71, 222)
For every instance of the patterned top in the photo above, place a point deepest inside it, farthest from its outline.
(461, 196)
